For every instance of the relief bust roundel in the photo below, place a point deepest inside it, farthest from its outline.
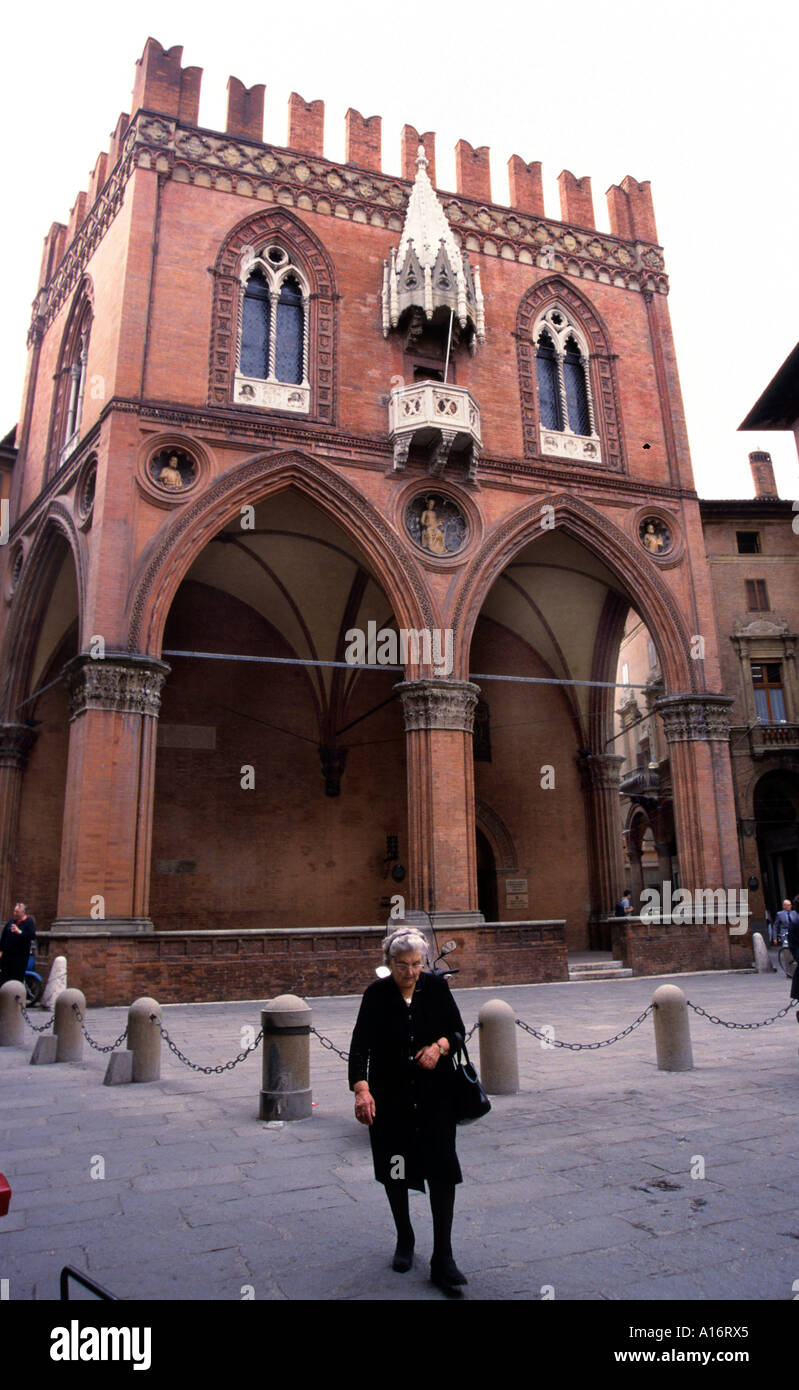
(436, 524)
(173, 470)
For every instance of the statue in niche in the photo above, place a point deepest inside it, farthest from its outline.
(655, 536)
(436, 524)
(433, 538)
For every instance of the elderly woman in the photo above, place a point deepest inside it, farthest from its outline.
(400, 1070)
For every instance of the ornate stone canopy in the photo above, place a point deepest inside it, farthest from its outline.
(428, 271)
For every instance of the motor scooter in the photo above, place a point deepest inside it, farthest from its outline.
(34, 984)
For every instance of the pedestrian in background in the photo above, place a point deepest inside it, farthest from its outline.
(16, 943)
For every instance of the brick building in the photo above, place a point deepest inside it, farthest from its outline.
(753, 552)
(273, 402)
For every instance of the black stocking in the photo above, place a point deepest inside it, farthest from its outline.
(442, 1205)
(397, 1193)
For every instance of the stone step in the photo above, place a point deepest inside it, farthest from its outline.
(596, 965)
(603, 970)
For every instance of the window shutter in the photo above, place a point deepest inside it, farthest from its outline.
(757, 596)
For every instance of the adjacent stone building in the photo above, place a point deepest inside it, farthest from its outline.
(289, 424)
(753, 552)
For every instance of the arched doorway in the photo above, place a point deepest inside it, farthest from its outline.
(486, 879)
(280, 787)
(776, 807)
(554, 615)
(52, 639)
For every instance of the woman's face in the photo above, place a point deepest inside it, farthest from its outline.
(406, 967)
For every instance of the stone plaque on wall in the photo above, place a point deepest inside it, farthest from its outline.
(516, 892)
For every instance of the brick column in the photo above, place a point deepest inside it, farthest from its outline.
(697, 729)
(16, 741)
(439, 719)
(108, 805)
(600, 774)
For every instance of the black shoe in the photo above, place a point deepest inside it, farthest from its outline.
(445, 1273)
(403, 1257)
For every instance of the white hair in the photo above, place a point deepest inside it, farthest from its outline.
(402, 940)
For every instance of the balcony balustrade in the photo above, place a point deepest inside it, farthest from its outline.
(443, 420)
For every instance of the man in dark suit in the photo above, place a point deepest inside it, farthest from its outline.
(16, 941)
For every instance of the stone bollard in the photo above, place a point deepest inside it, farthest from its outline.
(12, 1024)
(286, 1077)
(762, 961)
(499, 1053)
(144, 1039)
(67, 1026)
(672, 1029)
(56, 982)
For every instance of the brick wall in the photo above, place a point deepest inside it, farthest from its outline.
(180, 967)
(669, 949)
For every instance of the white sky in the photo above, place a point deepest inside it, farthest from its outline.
(699, 96)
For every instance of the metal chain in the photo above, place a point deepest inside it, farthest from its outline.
(586, 1047)
(331, 1046)
(35, 1026)
(111, 1046)
(725, 1023)
(473, 1029)
(195, 1066)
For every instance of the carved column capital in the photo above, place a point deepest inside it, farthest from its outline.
(602, 770)
(121, 681)
(16, 741)
(438, 704)
(702, 718)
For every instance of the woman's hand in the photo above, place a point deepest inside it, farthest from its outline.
(364, 1105)
(429, 1057)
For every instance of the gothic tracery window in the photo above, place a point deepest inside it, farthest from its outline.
(71, 379)
(564, 387)
(272, 365)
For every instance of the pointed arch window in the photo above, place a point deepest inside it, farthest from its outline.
(71, 378)
(272, 368)
(565, 404)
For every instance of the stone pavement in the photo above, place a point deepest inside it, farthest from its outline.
(582, 1182)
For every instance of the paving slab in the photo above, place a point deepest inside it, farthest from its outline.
(581, 1182)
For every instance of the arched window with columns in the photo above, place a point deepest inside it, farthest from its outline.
(272, 363)
(564, 385)
(273, 319)
(567, 378)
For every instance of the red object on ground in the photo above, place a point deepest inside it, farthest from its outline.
(5, 1195)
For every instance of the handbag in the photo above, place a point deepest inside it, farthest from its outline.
(470, 1101)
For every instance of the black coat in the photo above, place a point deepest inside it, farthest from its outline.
(793, 946)
(414, 1118)
(16, 948)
